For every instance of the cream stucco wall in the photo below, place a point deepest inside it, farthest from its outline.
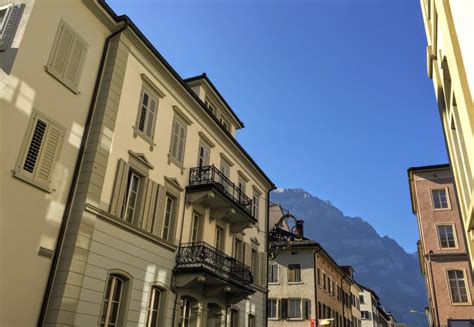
(31, 217)
(448, 26)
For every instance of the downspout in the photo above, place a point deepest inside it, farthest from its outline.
(433, 287)
(75, 178)
(316, 314)
(172, 275)
(267, 224)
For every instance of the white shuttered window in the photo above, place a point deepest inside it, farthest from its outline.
(178, 141)
(67, 56)
(40, 150)
(147, 114)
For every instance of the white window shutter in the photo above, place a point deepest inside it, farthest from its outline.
(14, 15)
(35, 145)
(181, 143)
(159, 210)
(75, 62)
(151, 118)
(60, 55)
(149, 205)
(120, 186)
(143, 112)
(49, 152)
(175, 140)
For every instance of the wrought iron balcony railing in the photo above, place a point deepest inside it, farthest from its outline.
(197, 256)
(211, 175)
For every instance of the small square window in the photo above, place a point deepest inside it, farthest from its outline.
(440, 199)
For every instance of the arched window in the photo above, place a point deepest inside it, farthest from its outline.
(234, 318)
(184, 312)
(113, 301)
(458, 287)
(153, 310)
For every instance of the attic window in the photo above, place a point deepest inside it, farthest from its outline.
(210, 106)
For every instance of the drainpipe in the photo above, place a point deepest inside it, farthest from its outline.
(75, 178)
(430, 252)
(315, 252)
(267, 224)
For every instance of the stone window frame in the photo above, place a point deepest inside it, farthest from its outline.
(149, 87)
(276, 308)
(127, 280)
(466, 285)
(288, 274)
(455, 236)
(448, 198)
(274, 263)
(163, 306)
(173, 189)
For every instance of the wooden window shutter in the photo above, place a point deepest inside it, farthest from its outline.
(150, 124)
(174, 140)
(181, 143)
(67, 57)
(120, 187)
(48, 154)
(149, 205)
(13, 17)
(75, 62)
(248, 254)
(159, 210)
(40, 151)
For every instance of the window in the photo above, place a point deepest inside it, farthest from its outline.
(255, 204)
(319, 276)
(169, 217)
(272, 309)
(178, 142)
(324, 280)
(239, 249)
(457, 286)
(294, 273)
(234, 318)
(329, 285)
(440, 200)
(67, 56)
(147, 111)
(252, 321)
(184, 313)
(153, 309)
(273, 272)
(38, 156)
(112, 301)
(219, 238)
(365, 315)
(254, 263)
(131, 196)
(361, 299)
(333, 292)
(225, 170)
(446, 236)
(196, 233)
(9, 18)
(204, 153)
(294, 309)
(306, 308)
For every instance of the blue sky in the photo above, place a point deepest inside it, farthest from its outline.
(334, 94)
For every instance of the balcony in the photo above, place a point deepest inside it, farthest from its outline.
(199, 264)
(209, 187)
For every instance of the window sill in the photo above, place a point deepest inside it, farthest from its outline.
(176, 162)
(144, 137)
(275, 283)
(296, 283)
(32, 182)
(69, 87)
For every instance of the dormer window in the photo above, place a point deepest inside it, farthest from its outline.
(224, 123)
(210, 106)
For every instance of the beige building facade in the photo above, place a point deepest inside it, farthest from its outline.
(44, 104)
(442, 248)
(150, 212)
(450, 64)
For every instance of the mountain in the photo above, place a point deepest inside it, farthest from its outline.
(379, 262)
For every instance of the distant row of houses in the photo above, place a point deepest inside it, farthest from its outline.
(306, 285)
